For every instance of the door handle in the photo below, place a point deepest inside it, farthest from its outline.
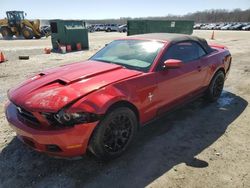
(199, 68)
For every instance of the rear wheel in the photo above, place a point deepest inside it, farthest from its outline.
(6, 32)
(27, 33)
(37, 37)
(114, 134)
(216, 87)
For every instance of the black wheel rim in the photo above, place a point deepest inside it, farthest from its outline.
(5, 33)
(218, 86)
(117, 133)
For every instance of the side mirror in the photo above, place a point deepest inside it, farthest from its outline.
(172, 64)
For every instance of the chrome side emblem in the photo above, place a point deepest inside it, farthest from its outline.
(150, 97)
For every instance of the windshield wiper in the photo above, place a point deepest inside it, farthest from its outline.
(105, 61)
(116, 63)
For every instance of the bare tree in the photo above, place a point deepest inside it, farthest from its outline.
(207, 16)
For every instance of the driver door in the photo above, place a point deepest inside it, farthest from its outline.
(180, 84)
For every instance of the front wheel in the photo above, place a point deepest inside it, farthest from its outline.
(113, 134)
(216, 87)
(27, 33)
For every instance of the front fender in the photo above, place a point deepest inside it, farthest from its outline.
(99, 101)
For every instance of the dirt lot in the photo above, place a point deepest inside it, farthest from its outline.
(200, 145)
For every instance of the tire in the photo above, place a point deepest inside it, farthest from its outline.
(108, 30)
(24, 57)
(27, 33)
(37, 37)
(113, 134)
(215, 87)
(6, 32)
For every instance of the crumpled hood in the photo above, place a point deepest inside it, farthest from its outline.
(51, 90)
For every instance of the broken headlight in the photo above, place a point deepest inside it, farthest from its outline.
(70, 119)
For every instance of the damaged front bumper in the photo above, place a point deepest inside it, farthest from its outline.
(69, 142)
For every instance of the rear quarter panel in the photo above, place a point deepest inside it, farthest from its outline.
(219, 59)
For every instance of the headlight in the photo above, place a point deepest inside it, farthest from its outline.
(70, 119)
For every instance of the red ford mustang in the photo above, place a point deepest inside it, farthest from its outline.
(98, 105)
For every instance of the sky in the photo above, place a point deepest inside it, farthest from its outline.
(100, 9)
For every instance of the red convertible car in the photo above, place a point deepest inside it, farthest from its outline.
(99, 104)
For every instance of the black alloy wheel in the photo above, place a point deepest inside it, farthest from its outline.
(216, 87)
(114, 133)
(117, 133)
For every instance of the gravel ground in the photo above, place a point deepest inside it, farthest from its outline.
(199, 145)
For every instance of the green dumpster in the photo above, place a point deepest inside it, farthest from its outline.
(69, 32)
(159, 26)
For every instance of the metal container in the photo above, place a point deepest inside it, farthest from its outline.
(159, 26)
(69, 32)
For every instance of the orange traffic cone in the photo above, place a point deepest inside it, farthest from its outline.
(212, 37)
(47, 50)
(2, 59)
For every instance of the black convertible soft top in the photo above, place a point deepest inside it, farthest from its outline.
(175, 38)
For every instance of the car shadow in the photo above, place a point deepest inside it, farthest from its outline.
(176, 138)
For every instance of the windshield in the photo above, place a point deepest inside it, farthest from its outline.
(132, 54)
(15, 15)
(21, 16)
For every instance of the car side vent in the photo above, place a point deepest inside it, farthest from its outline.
(62, 82)
(41, 74)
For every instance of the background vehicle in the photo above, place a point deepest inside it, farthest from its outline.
(226, 27)
(236, 26)
(16, 24)
(99, 27)
(219, 26)
(247, 27)
(211, 26)
(198, 26)
(45, 30)
(91, 28)
(111, 27)
(123, 28)
(204, 26)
